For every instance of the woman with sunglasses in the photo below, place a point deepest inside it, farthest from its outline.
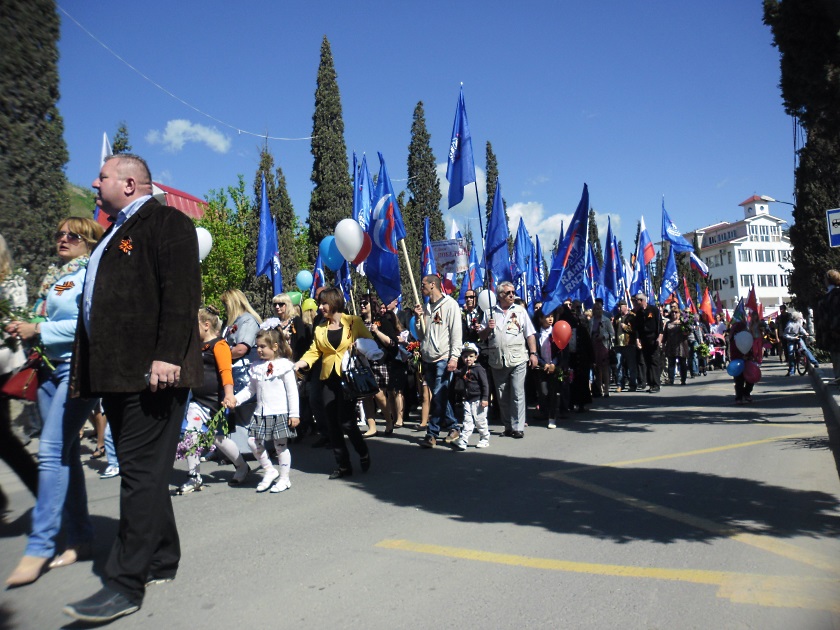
(62, 498)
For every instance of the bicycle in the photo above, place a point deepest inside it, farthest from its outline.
(800, 357)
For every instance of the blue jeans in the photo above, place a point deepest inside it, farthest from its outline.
(62, 497)
(110, 449)
(804, 349)
(441, 414)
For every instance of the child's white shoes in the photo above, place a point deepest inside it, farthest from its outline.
(269, 477)
(282, 485)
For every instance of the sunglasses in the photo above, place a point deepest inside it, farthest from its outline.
(508, 293)
(469, 297)
(363, 303)
(72, 237)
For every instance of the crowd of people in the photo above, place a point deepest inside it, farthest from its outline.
(182, 377)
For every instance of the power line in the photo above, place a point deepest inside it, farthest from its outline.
(165, 91)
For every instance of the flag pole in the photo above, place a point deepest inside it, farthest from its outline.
(411, 277)
(481, 233)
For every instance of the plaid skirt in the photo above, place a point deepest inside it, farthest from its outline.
(271, 427)
(381, 373)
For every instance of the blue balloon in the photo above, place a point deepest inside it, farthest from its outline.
(735, 367)
(412, 326)
(304, 279)
(330, 255)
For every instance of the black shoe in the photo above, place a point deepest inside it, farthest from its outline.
(338, 473)
(321, 442)
(105, 605)
(365, 462)
(517, 435)
(428, 442)
(654, 390)
(508, 433)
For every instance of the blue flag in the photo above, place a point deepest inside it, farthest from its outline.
(672, 234)
(460, 167)
(344, 281)
(523, 256)
(474, 278)
(386, 227)
(268, 258)
(610, 273)
(568, 268)
(427, 257)
(496, 255)
(318, 277)
(539, 271)
(670, 279)
(362, 193)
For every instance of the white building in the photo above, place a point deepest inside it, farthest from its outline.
(752, 251)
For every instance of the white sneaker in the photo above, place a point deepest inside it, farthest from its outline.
(110, 472)
(552, 424)
(483, 443)
(269, 477)
(460, 444)
(282, 485)
(193, 484)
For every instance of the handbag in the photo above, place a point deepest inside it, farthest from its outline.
(357, 379)
(23, 384)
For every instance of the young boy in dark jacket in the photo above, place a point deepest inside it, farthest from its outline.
(475, 395)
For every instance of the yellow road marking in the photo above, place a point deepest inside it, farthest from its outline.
(743, 588)
(777, 547)
(702, 451)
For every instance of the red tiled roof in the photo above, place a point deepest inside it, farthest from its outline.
(752, 199)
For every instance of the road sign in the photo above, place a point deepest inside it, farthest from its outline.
(833, 219)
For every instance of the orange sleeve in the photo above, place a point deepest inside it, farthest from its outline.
(224, 361)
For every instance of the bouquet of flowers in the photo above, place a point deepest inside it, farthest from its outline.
(193, 441)
(564, 375)
(703, 350)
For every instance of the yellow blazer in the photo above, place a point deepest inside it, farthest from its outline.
(352, 328)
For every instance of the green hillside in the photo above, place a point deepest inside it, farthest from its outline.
(81, 200)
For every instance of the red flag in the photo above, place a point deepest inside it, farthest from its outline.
(688, 301)
(706, 305)
(752, 301)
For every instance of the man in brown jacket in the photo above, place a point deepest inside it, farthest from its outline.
(137, 347)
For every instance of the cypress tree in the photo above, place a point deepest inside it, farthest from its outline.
(806, 34)
(121, 142)
(424, 190)
(332, 196)
(595, 239)
(33, 187)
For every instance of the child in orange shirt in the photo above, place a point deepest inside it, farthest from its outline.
(216, 392)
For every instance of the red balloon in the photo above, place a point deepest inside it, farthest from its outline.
(364, 252)
(561, 333)
(752, 373)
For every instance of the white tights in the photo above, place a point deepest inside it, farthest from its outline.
(284, 456)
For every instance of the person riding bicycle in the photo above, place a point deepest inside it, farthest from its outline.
(793, 336)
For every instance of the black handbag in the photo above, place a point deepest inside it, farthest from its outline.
(358, 380)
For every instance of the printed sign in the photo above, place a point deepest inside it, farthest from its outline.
(833, 219)
(451, 256)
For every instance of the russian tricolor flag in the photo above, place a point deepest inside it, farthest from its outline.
(698, 265)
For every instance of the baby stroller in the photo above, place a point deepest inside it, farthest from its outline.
(717, 351)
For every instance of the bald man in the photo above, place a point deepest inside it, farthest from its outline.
(138, 348)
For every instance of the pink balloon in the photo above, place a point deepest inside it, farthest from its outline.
(364, 252)
(561, 333)
(752, 373)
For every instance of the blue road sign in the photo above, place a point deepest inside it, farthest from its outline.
(833, 219)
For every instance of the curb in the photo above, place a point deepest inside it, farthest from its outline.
(828, 394)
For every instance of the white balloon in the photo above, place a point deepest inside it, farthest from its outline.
(205, 243)
(744, 341)
(486, 300)
(349, 238)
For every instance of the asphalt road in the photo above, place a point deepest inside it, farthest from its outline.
(676, 510)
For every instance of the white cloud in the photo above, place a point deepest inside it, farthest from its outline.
(179, 132)
(164, 177)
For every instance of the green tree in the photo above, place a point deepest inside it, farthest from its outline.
(121, 142)
(424, 201)
(806, 34)
(224, 267)
(33, 187)
(595, 239)
(332, 195)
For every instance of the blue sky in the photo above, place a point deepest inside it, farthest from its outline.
(637, 99)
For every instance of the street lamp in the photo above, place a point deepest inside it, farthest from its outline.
(771, 200)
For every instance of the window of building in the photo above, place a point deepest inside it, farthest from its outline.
(745, 255)
(730, 257)
(746, 280)
(765, 255)
(767, 280)
(784, 280)
(732, 281)
(784, 255)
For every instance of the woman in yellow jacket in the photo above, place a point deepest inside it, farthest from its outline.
(334, 336)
